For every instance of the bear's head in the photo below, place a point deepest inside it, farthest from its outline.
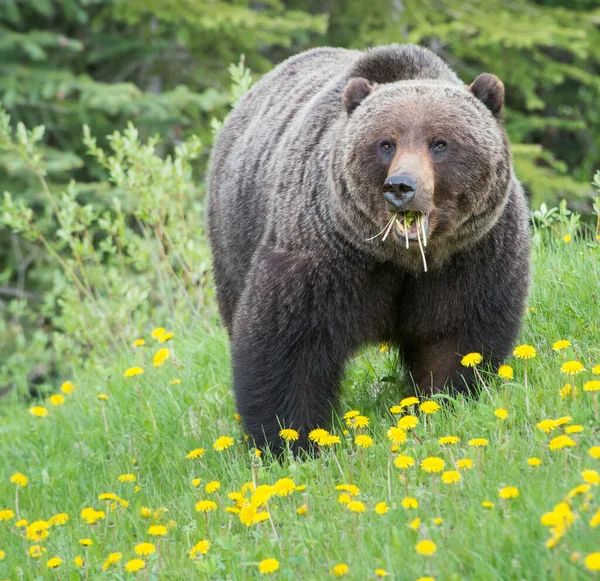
(423, 161)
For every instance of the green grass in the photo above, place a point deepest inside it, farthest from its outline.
(70, 459)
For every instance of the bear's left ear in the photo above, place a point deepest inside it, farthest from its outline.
(490, 91)
(356, 90)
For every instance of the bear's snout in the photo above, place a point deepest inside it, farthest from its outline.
(399, 190)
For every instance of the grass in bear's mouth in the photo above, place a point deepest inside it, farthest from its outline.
(406, 223)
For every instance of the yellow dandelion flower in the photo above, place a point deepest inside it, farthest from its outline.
(425, 579)
(384, 348)
(177, 381)
(158, 530)
(415, 524)
(581, 489)
(329, 440)
(340, 569)
(223, 443)
(54, 562)
(593, 385)
(446, 440)
(574, 429)
(284, 487)
(344, 498)
(429, 407)
(567, 390)
(351, 414)
(166, 337)
(116, 557)
(533, 461)
(479, 442)
(591, 477)
(396, 435)
(19, 479)
(302, 510)
(562, 421)
(396, 409)
(567, 238)
(471, 359)
(403, 462)
(102, 397)
(561, 442)
(146, 512)
(86, 542)
(90, 515)
(38, 411)
(546, 425)
(196, 482)
(572, 367)
(59, 519)
(57, 399)
(408, 422)
(363, 441)
(438, 521)
(267, 566)
(196, 453)
(206, 506)
(524, 352)
(21, 523)
(501, 413)
(450, 477)
(410, 503)
(381, 508)
(134, 565)
(78, 561)
(67, 387)
(509, 492)
(487, 504)
(212, 486)
(127, 478)
(289, 434)
(432, 464)
(132, 372)
(144, 549)
(506, 372)
(158, 333)
(355, 506)
(426, 548)
(596, 370)
(408, 401)
(200, 548)
(139, 343)
(6, 514)
(594, 452)
(351, 489)
(595, 520)
(380, 573)
(160, 357)
(37, 530)
(592, 561)
(560, 345)
(36, 551)
(317, 435)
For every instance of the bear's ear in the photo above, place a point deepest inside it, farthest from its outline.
(490, 91)
(356, 90)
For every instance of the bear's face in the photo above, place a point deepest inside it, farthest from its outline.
(428, 158)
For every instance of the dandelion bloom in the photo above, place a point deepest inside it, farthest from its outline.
(363, 441)
(381, 508)
(410, 502)
(380, 573)
(317, 435)
(450, 477)
(425, 579)
(572, 367)
(581, 489)
(487, 504)
(592, 561)
(289, 434)
(127, 478)
(134, 565)
(158, 530)
(546, 425)
(20, 523)
(524, 352)
(426, 548)
(438, 521)
(501, 413)
(429, 407)
(562, 421)
(471, 359)
(160, 357)
(206, 506)
(415, 524)
(90, 515)
(567, 390)
(351, 414)
(146, 512)
(432, 464)
(505, 372)
(479, 442)
(177, 381)
(404, 461)
(593, 385)
(591, 477)
(396, 435)
(57, 399)
(594, 452)
(112, 559)
(200, 548)
(132, 372)
(6, 514)
(54, 562)
(561, 442)
(166, 337)
(19, 479)
(408, 422)
(102, 397)
(38, 411)
(560, 345)
(212, 486)
(197, 453)
(329, 440)
(223, 443)
(509, 492)
(86, 542)
(144, 549)
(267, 566)
(408, 401)
(38, 530)
(574, 429)
(67, 387)
(534, 461)
(596, 370)
(158, 333)
(2, 554)
(464, 464)
(340, 569)
(595, 520)
(355, 506)
(396, 409)
(351, 489)
(77, 560)
(36, 551)
(284, 487)
(139, 343)
(302, 510)
(445, 440)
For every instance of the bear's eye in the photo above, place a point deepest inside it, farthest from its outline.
(439, 145)
(386, 145)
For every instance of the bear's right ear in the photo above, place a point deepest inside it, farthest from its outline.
(489, 90)
(356, 90)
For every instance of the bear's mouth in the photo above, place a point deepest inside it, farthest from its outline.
(412, 226)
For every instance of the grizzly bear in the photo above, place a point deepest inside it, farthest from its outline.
(355, 198)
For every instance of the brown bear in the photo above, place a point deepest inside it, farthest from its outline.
(363, 197)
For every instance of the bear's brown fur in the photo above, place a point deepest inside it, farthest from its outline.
(312, 164)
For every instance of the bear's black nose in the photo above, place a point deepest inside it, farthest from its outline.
(398, 190)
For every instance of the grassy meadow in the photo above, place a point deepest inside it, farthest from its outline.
(123, 478)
